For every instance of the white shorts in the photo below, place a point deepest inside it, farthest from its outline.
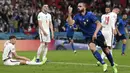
(44, 38)
(108, 37)
(11, 62)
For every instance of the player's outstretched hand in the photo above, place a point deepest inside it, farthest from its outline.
(70, 10)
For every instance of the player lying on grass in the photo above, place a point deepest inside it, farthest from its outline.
(10, 57)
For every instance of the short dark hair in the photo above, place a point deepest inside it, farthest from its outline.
(12, 37)
(116, 7)
(108, 7)
(82, 1)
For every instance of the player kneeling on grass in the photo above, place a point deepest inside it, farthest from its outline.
(10, 56)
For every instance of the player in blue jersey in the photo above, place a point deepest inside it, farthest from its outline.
(90, 27)
(121, 32)
(70, 32)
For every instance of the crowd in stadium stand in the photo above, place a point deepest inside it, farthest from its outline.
(22, 17)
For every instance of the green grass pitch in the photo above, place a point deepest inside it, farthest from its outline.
(68, 62)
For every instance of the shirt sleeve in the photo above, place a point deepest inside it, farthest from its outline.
(113, 20)
(93, 17)
(119, 23)
(75, 18)
(12, 48)
(74, 25)
(50, 18)
(39, 17)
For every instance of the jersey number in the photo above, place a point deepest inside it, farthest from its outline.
(107, 20)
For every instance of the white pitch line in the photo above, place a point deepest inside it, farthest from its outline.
(70, 63)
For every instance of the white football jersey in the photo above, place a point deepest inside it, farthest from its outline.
(108, 21)
(45, 18)
(8, 49)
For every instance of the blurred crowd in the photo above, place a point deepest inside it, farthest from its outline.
(22, 17)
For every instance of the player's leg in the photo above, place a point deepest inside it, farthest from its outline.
(103, 55)
(72, 43)
(123, 46)
(108, 39)
(66, 41)
(110, 58)
(40, 49)
(11, 62)
(23, 62)
(98, 56)
(105, 48)
(45, 50)
(101, 42)
(123, 38)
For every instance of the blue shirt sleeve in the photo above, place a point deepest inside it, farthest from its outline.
(93, 17)
(65, 25)
(119, 23)
(76, 19)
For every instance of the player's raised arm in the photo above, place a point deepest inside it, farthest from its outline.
(70, 19)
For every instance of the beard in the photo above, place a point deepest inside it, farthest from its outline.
(80, 11)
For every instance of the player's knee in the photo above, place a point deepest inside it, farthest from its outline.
(92, 47)
(106, 50)
(124, 41)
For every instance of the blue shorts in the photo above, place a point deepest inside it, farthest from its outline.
(69, 38)
(100, 41)
(122, 37)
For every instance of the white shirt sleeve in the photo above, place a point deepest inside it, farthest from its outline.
(39, 17)
(113, 21)
(12, 48)
(50, 18)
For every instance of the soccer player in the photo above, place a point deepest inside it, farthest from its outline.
(70, 32)
(90, 26)
(10, 57)
(45, 25)
(108, 30)
(121, 32)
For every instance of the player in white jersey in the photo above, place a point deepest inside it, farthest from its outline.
(9, 53)
(45, 25)
(108, 27)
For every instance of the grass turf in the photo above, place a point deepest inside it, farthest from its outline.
(68, 62)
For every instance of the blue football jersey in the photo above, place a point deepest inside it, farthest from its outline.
(70, 29)
(121, 26)
(87, 23)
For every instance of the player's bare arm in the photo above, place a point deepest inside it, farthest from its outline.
(51, 27)
(69, 19)
(118, 31)
(20, 57)
(40, 26)
(63, 28)
(97, 29)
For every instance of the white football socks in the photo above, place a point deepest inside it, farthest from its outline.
(45, 52)
(40, 49)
